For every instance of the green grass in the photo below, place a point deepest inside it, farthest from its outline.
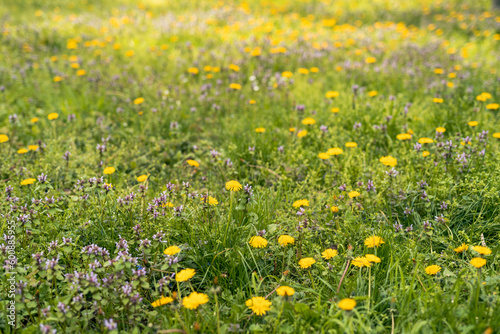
(188, 116)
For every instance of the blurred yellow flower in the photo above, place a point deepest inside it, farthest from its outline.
(53, 116)
(433, 269)
(142, 178)
(306, 262)
(172, 250)
(329, 253)
(109, 170)
(347, 304)
(258, 242)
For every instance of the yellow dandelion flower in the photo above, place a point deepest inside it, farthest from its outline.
(462, 248)
(260, 130)
(440, 129)
(308, 121)
(194, 300)
(329, 253)
(372, 93)
(285, 291)
(478, 262)
(433, 270)
(473, 123)
(332, 94)
(192, 163)
(335, 110)
(235, 86)
(493, 106)
(347, 304)
(426, 153)
(374, 241)
(4, 138)
(185, 275)
(26, 182)
(193, 70)
(324, 156)
(425, 140)
(351, 144)
(162, 301)
(373, 258)
(306, 262)
(53, 116)
(334, 209)
(139, 100)
(258, 242)
(22, 151)
(353, 194)
(370, 60)
(142, 178)
(109, 170)
(404, 136)
(235, 68)
(34, 120)
(389, 161)
(361, 262)
(259, 305)
(482, 250)
(233, 185)
(302, 133)
(32, 147)
(437, 100)
(285, 240)
(287, 74)
(172, 250)
(335, 151)
(300, 202)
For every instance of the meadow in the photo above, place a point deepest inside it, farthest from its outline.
(304, 166)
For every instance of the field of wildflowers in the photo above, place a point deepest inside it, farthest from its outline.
(305, 166)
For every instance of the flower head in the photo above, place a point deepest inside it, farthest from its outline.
(353, 194)
(351, 144)
(4, 138)
(233, 185)
(372, 258)
(478, 262)
(109, 170)
(306, 262)
(308, 121)
(361, 262)
(172, 250)
(285, 240)
(53, 116)
(162, 301)
(324, 156)
(260, 130)
(259, 305)
(462, 248)
(373, 241)
(335, 151)
(300, 202)
(258, 242)
(28, 181)
(433, 270)
(194, 300)
(389, 161)
(142, 178)
(285, 291)
(482, 250)
(329, 253)
(193, 163)
(347, 304)
(184, 275)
